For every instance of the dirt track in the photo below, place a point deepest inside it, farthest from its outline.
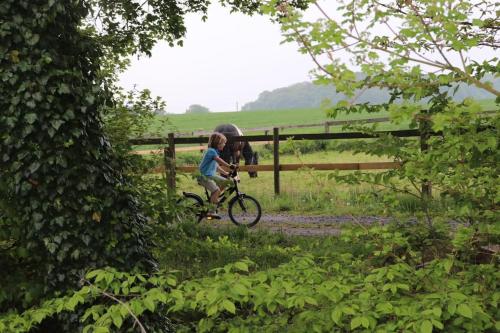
(304, 224)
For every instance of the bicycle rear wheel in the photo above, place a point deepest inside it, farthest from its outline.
(190, 208)
(244, 210)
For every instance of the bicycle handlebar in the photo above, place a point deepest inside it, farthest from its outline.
(233, 173)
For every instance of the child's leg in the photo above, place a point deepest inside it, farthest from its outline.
(213, 189)
(221, 182)
(214, 197)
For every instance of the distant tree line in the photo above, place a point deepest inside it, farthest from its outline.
(197, 108)
(310, 95)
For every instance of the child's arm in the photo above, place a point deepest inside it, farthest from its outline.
(222, 171)
(220, 161)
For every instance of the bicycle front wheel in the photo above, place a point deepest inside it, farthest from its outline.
(244, 210)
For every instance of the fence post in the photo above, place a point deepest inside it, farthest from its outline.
(268, 143)
(276, 150)
(169, 154)
(425, 128)
(327, 127)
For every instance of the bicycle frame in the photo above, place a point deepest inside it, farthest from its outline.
(228, 191)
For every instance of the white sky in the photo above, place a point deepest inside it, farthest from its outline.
(228, 59)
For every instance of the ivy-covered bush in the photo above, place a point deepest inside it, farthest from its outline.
(69, 206)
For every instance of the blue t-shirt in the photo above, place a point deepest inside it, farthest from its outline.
(208, 165)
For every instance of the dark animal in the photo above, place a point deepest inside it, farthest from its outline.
(233, 150)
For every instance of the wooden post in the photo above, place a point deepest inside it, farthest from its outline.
(276, 149)
(327, 127)
(169, 154)
(201, 145)
(268, 143)
(425, 128)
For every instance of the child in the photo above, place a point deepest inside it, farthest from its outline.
(209, 165)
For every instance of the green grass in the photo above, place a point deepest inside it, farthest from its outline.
(250, 119)
(182, 123)
(305, 190)
(195, 249)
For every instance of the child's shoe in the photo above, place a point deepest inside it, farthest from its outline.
(213, 216)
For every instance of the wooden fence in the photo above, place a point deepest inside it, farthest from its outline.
(170, 167)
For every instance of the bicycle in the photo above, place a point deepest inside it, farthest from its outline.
(243, 209)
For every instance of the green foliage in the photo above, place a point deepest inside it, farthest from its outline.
(129, 117)
(461, 164)
(70, 207)
(196, 249)
(385, 287)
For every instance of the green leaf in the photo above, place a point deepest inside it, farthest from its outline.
(310, 300)
(385, 307)
(211, 310)
(426, 327)
(336, 316)
(348, 310)
(34, 39)
(150, 305)
(229, 306)
(448, 263)
(365, 322)
(38, 316)
(92, 274)
(30, 117)
(171, 281)
(57, 123)
(477, 22)
(63, 88)
(356, 322)
(464, 310)
(437, 324)
(240, 289)
(241, 266)
(117, 319)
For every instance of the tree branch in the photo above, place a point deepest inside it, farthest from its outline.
(136, 320)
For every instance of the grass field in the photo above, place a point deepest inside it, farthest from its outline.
(182, 123)
(250, 119)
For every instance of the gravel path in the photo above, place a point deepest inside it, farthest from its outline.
(304, 224)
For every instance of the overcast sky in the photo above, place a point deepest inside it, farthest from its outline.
(228, 59)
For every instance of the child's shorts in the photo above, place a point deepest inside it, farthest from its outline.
(212, 183)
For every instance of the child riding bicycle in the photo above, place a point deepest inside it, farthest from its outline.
(209, 165)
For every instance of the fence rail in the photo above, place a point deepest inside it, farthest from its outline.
(281, 137)
(295, 167)
(170, 168)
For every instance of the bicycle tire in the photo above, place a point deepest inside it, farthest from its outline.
(191, 208)
(244, 210)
